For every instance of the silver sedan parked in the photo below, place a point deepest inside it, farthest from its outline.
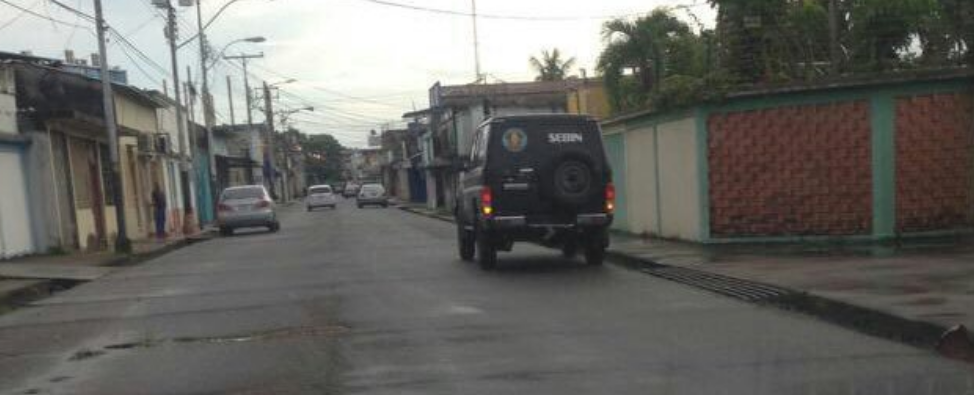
(246, 207)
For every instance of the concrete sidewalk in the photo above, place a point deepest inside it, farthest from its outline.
(27, 278)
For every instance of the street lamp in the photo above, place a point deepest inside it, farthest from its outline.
(287, 81)
(208, 111)
(255, 39)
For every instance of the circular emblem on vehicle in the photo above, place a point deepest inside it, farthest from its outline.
(515, 140)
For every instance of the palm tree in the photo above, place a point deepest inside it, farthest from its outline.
(642, 48)
(550, 66)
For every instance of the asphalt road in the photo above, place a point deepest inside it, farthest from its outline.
(375, 301)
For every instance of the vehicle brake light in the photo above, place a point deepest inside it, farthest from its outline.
(486, 201)
(610, 198)
(263, 204)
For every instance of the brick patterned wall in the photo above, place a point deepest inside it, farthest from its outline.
(934, 161)
(803, 170)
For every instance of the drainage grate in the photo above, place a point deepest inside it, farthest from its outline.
(728, 286)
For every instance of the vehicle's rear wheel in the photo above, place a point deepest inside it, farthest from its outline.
(486, 251)
(310, 209)
(360, 206)
(224, 231)
(274, 227)
(569, 249)
(466, 242)
(595, 245)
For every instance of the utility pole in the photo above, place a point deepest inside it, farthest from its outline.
(185, 167)
(476, 42)
(122, 242)
(207, 106)
(243, 60)
(250, 120)
(190, 100)
(834, 50)
(269, 150)
(230, 98)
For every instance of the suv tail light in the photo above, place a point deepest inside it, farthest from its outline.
(223, 207)
(486, 201)
(263, 204)
(610, 198)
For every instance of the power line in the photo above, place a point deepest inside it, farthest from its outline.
(18, 16)
(146, 59)
(142, 25)
(339, 112)
(350, 114)
(151, 78)
(35, 14)
(333, 92)
(73, 10)
(497, 16)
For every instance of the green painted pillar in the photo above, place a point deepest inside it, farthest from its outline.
(615, 147)
(883, 123)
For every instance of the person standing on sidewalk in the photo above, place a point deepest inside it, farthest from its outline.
(159, 207)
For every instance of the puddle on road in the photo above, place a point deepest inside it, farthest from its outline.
(85, 354)
(273, 334)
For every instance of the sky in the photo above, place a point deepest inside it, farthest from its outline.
(360, 63)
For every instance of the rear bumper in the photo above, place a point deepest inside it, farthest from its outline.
(522, 222)
(243, 220)
(322, 203)
(382, 200)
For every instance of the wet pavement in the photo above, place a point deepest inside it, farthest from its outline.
(375, 301)
(930, 280)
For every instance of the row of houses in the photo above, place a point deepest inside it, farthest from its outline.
(849, 160)
(56, 189)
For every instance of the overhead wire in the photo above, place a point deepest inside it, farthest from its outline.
(73, 10)
(444, 11)
(39, 15)
(334, 111)
(329, 91)
(19, 15)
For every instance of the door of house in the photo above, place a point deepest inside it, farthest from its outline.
(66, 214)
(16, 236)
(97, 196)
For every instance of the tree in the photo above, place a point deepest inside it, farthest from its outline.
(551, 67)
(323, 157)
(880, 30)
(752, 38)
(640, 53)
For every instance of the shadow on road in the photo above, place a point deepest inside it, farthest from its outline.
(542, 264)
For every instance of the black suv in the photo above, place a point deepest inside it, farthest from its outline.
(539, 178)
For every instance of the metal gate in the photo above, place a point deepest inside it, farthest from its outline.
(16, 235)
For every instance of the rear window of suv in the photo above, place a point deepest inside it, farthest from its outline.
(539, 139)
(318, 190)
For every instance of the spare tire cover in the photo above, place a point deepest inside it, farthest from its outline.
(573, 181)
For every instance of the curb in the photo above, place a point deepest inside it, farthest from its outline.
(920, 334)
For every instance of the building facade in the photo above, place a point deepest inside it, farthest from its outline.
(454, 114)
(872, 161)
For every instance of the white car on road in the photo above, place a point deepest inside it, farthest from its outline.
(321, 196)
